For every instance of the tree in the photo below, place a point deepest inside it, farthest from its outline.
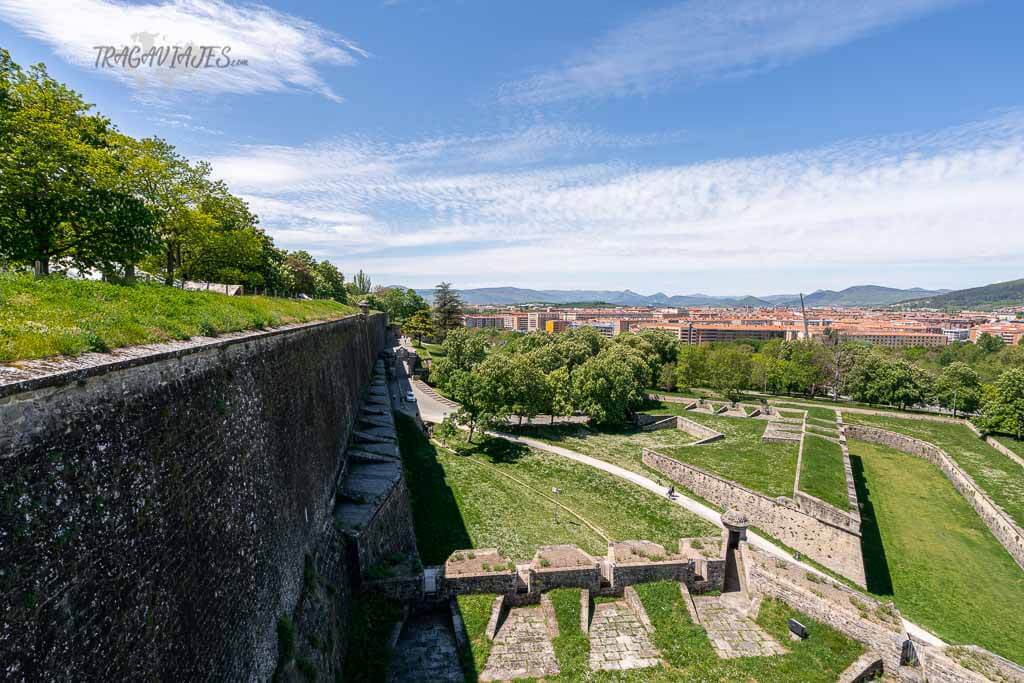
(398, 302)
(692, 367)
(445, 430)
(880, 380)
(729, 370)
(330, 282)
(419, 325)
(664, 343)
(1003, 406)
(447, 309)
(462, 350)
(957, 387)
(838, 358)
(667, 377)
(989, 343)
(477, 398)
(611, 385)
(361, 284)
(59, 195)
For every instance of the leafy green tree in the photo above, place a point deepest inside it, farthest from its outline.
(729, 370)
(419, 325)
(612, 384)
(692, 367)
(664, 343)
(989, 343)
(667, 377)
(957, 388)
(398, 302)
(462, 351)
(880, 380)
(447, 309)
(478, 398)
(445, 430)
(330, 283)
(59, 195)
(1003, 406)
(560, 393)
(361, 284)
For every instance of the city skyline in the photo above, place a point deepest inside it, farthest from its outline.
(675, 147)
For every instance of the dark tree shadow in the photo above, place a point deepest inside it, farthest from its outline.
(876, 567)
(501, 450)
(440, 529)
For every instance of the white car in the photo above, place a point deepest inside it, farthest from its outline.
(410, 397)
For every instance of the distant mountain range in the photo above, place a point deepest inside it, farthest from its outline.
(864, 295)
(1009, 293)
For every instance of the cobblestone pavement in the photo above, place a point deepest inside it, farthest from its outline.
(733, 634)
(522, 648)
(618, 640)
(426, 652)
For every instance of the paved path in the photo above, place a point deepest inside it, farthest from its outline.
(618, 640)
(522, 648)
(731, 633)
(426, 651)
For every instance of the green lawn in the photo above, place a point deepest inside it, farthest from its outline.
(498, 494)
(60, 316)
(622, 447)
(769, 468)
(1011, 443)
(926, 549)
(476, 612)
(821, 471)
(999, 476)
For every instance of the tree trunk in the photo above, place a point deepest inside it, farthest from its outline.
(169, 277)
(42, 267)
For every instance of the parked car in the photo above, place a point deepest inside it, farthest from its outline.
(410, 397)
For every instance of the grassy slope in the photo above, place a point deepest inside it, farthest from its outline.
(821, 471)
(41, 318)
(468, 500)
(740, 456)
(926, 547)
(620, 446)
(476, 612)
(999, 476)
(1011, 443)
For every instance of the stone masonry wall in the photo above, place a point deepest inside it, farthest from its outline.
(390, 531)
(833, 546)
(157, 504)
(1002, 527)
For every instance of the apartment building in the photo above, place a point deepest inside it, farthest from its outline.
(1009, 332)
(536, 321)
(484, 321)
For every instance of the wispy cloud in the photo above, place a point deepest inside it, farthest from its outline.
(283, 52)
(697, 40)
(949, 196)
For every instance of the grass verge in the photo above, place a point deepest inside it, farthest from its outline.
(476, 612)
(926, 549)
(499, 494)
(821, 471)
(60, 316)
(1000, 477)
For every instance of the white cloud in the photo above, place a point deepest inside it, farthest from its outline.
(283, 52)
(698, 40)
(413, 209)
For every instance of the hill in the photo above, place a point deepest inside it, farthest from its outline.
(505, 296)
(1009, 293)
(861, 295)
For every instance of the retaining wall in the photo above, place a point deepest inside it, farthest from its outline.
(1006, 531)
(157, 503)
(836, 547)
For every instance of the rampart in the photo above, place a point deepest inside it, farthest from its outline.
(836, 546)
(160, 504)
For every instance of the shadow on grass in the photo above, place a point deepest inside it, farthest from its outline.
(876, 567)
(440, 529)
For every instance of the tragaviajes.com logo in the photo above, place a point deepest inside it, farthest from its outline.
(165, 56)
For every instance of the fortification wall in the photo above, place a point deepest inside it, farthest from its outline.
(158, 503)
(836, 547)
(1002, 526)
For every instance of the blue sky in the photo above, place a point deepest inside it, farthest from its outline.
(749, 146)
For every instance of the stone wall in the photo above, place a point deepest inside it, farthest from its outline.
(389, 531)
(1004, 450)
(1002, 526)
(542, 579)
(836, 547)
(486, 582)
(648, 572)
(157, 504)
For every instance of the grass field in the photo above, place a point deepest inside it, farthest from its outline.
(741, 456)
(60, 316)
(926, 549)
(688, 653)
(821, 471)
(1011, 443)
(499, 494)
(619, 446)
(999, 476)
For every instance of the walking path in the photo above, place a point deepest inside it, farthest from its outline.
(618, 640)
(522, 648)
(731, 633)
